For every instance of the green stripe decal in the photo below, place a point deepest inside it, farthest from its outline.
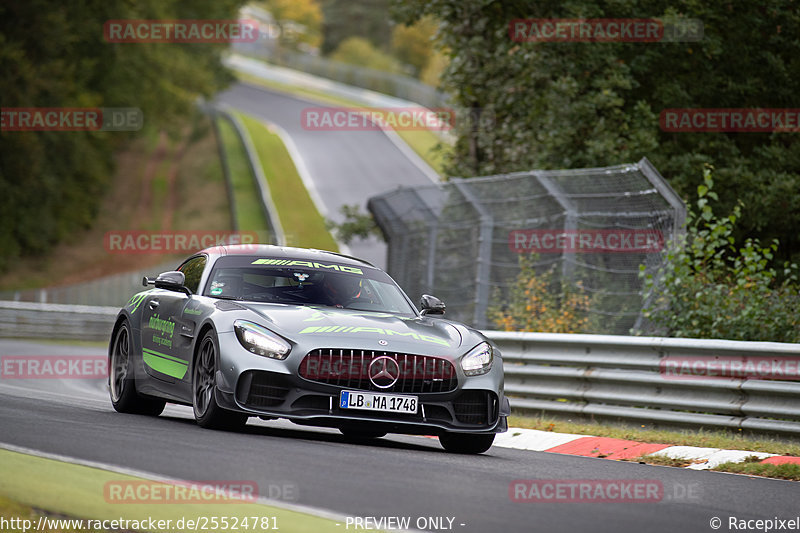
(166, 356)
(165, 364)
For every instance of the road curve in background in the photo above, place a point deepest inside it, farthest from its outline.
(346, 167)
(394, 476)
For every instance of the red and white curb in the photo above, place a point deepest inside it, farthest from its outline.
(620, 449)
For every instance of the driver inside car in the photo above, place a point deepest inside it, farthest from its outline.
(340, 290)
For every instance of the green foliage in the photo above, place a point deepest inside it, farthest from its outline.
(306, 13)
(568, 105)
(432, 73)
(778, 471)
(356, 224)
(709, 288)
(54, 55)
(359, 51)
(539, 301)
(413, 45)
(355, 18)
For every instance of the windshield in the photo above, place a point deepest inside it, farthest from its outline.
(306, 283)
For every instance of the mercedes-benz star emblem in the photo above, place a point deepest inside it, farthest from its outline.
(384, 372)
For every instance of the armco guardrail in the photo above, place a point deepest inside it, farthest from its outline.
(270, 212)
(619, 377)
(56, 321)
(611, 377)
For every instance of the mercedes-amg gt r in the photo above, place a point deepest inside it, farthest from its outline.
(315, 337)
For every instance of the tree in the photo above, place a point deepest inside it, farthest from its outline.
(359, 51)
(54, 55)
(368, 19)
(290, 13)
(568, 105)
(413, 44)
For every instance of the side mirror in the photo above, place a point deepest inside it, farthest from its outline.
(172, 281)
(431, 305)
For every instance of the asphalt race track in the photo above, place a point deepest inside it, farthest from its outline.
(347, 167)
(394, 476)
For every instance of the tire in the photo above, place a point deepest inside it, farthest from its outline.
(207, 413)
(466, 443)
(361, 434)
(121, 380)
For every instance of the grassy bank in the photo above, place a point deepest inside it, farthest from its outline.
(302, 223)
(246, 198)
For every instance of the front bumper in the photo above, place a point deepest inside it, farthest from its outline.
(270, 388)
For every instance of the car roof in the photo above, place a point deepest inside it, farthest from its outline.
(288, 252)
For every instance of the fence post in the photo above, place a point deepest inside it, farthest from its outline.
(484, 260)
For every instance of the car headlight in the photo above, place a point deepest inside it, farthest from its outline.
(479, 360)
(260, 340)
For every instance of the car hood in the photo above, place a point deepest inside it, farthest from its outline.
(330, 327)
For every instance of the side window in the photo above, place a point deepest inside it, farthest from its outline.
(193, 271)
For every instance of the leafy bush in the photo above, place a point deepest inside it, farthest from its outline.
(359, 51)
(540, 302)
(708, 288)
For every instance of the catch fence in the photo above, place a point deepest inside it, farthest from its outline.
(466, 240)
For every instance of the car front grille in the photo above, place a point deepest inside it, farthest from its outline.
(350, 369)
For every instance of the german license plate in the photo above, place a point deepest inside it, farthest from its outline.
(372, 401)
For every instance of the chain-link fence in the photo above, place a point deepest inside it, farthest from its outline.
(591, 228)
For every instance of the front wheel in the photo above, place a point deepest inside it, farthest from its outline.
(204, 382)
(466, 443)
(121, 383)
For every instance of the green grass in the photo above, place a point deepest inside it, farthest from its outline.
(661, 461)
(32, 486)
(751, 466)
(783, 471)
(246, 198)
(302, 224)
(704, 438)
(423, 142)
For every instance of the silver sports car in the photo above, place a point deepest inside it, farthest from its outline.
(315, 337)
